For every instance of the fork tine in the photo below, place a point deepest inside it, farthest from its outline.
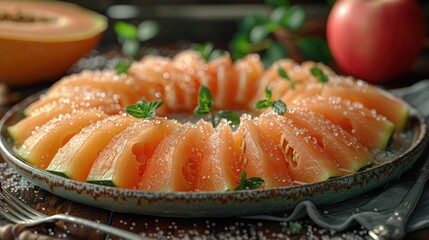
(6, 213)
(24, 209)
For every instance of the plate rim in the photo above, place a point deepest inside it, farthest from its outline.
(146, 198)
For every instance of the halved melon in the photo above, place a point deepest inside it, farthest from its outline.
(263, 157)
(371, 129)
(175, 162)
(124, 159)
(45, 37)
(220, 165)
(306, 160)
(349, 154)
(43, 144)
(74, 160)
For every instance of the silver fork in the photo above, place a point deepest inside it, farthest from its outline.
(394, 227)
(24, 216)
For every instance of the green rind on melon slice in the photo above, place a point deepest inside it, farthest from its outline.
(371, 129)
(123, 161)
(307, 163)
(74, 160)
(349, 154)
(386, 104)
(41, 146)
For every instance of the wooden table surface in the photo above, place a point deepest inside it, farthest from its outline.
(169, 228)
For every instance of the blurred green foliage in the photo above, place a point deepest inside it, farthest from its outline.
(256, 34)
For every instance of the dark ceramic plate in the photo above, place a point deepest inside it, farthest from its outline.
(217, 204)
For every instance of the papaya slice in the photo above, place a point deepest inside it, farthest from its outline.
(349, 154)
(248, 72)
(25, 127)
(383, 103)
(76, 97)
(371, 129)
(108, 81)
(174, 165)
(306, 160)
(124, 159)
(52, 35)
(43, 144)
(75, 159)
(263, 157)
(220, 165)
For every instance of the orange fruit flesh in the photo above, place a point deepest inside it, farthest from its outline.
(77, 97)
(123, 161)
(304, 157)
(263, 157)
(175, 162)
(43, 144)
(354, 118)
(76, 157)
(349, 154)
(107, 81)
(220, 167)
(56, 44)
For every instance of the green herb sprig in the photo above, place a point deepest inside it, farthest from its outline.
(319, 74)
(207, 51)
(265, 34)
(122, 66)
(283, 74)
(130, 36)
(248, 183)
(278, 105)
(143, 109)
(205, 107)
(292, 228)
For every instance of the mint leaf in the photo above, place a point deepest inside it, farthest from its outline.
(204, 49)
(143, 109)
(229, 115)
(248, 183)
(279, 107)
(261, 104)
(125, 30)
(292, 228)
(268, 93)
(282, 73)
(319, 74)
(147, 29)
(122, 66)
(205, 101)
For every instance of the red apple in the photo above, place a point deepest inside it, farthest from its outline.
(375, 40)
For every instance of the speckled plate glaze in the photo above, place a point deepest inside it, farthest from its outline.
(215, 204)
